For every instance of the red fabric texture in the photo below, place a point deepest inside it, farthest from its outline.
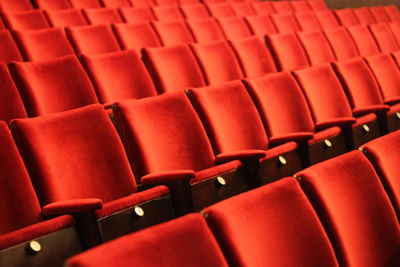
(205, 30)
(8, 49)
(85, 3)
(216, 171)
(119, 75)
(325, 95)
(364, 40)
(318, 5)
(173, 32)
(72, 206)
(300, 6)
(262, 8)
(317, 47)
(104, 15)
(363, 15)
(392, 12)
(167, 13)
(231, 127)
(35, 231)
(234, 27)
(308, 21)
(254, 57)
(97, 167)
(282, 106)
(256, 228)
(342, 43)
(137, 14)
(395, 27)
(240, 155)
(195, 11)
(92, 39)
(136, 35)
(379, 14)
(359, 219)
(120, 204)
(43, 44)
(261, 25)
(16, 6)
(186, 241)
(167, 177)
(12, 107)
(242, 9)
(218, 62)
(26, 20)
(163, 133)
(288, 51)
(346, 17)
(173, 68)
(285, 23)
(384, 37)
(282, 7)
(327, 18)
(116, 3)
(221, 9)
(54, 85)
(51, 4)
(65, 17)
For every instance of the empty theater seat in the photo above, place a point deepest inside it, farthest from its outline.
(119, 75)
(282, 7)
(53, 85)
(364, 15)
(260, 25)
(174, 240)
(317, 47)
(222, 9)
(262, 8)
(395, 27)
(116, 3)
(167, 13)
(342, 43)
(14, 6)
(85, 3)
(307, 21)
(379, 14)
(136, 35)
(142, 3)
(136, 14)
(300, 6)
(177, 152)
(206, 30)
(173, 68)
(327, 19)
(92, 39)
(195, 11)
(346, 17)
(97, 178)
(26, 20)
(234, 27)
(242, 9)
(102, 15)
(364, 40)
(238, 130)
(384, 37)
(23, 228)
(43, 44)
(392, 12)
(173, 32)
(8, 49)
(357, 240)
(65, 17)
(255, 228)
(53, 5)
(285, 22)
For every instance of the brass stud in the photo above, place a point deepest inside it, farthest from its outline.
(398, 115)
(221, 180)
(34, 247)
(327, 143)
(366, 128)
(282, 160)
(139, 211)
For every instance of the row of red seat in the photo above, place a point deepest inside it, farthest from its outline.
(341, 212)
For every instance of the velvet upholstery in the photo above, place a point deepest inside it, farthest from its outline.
(167, 13)
(195, 11)
(53, 85)
(318, 5)
(142, 3)
(327, 18)
(174, 240)
(317, 47)
(205, 30)
(262, 8)
(218, 62)
(222, 9)
(53, 5)
(26, 20)
(12, 6)
(8, 49)
(285, 23)
(85, 3)
(364, 40)
(242, 9)
(256, 228)
(234, 27)
(364, 15)
(346, 17)
(116, 3)
(384, 37)
(137, 14)
(254, 57)
(92, 39)
(136, 35)
(260, 25)
(65, 17)
(173, 68)
(106, 15)
(395, 27)
(308, 21)
(173, 32)
(342, 43)
(300, 6)
(43, 44)
(282, 7)
(392, 12)
(359, 220)
(379, 14)
(120, 75)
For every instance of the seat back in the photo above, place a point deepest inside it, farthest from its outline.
(234, 27)
(195, 11)
(342, 43)
(379, 14)
(137, 14)
(26, 20)
(308, 21)
(13, 6)
(317, 47)
(285, 23)
(167, 13)
(55, 5)
(136, 35)
(363, 15)
(327, 18)
(65, 17)
(206, 30)
(260, 25)
(85, 3)
(282, 7)
(173, 32)
(363, 39)
(242, 9)
(346, 17)
(106, 15)
(262, 8)
(116, 3)
(220, 10)
(384, 37)
(8, 49)
(300, 6)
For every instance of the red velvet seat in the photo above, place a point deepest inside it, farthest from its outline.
(97, 181)
(85, 3)
(26, 20)
(167, 13)
(301, 6)
(346, 17)
(329, 105)
(317, 47)
(105, 15)
(167, 144)
(282, 7)
(234, 27)
(12, 106)
(288, 51)
(142, 3)
(327, 19)
(136, 35)
(256, 228)
(218, 62)
(384, 37)
(364, 40)
(308, 21)
(392, 12)
(285, 23)
(65, 17)
(119, 75)
(165, 2)
(342, 43)
(53, 5)
(379, 14)
(92, 39)
(195, 11)
(43, 44)
(254, 57)
(206, 30)
(222, 9)
(173, 68)
(137, 14)
(174, 240)
(287, 117)
(395, 27)
(13, 6)
(22, 218)
(188, 2)
(260, 25)
(364, 15)
(116, 3)
(173, 32)
(54, 85)
(318, 5)
(242, 9)
(365, 232)
(238, 130)
(8, 49)
(262, 8)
